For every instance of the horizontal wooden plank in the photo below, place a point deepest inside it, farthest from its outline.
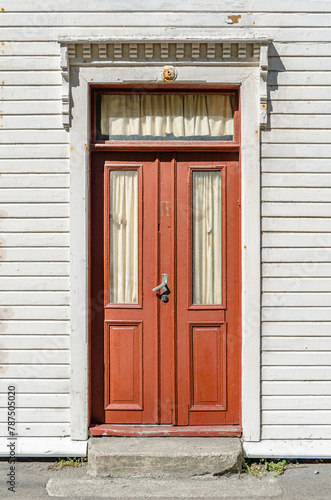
(297, 136)
(38, 400)
(34, 298)
(311, 329)
(294, 300)
(296, 150)
(38, 371)
(31, 77)
(38, 254)
(293, 269)
(306, 417)
(14, 63)
(300, 49)
(296, 179)
(34, 283)
(141, 19)
(296, 224)
(296, 314)
(303, 240)
(296, 255)
(42, 415)
(270, 209)
(296, 343)
(289, 359)
(27, 93)
(34, 357)
(298, 63)
(300, 121)
(22, 166)
(296, 403)
(34, 269)
(172, 5)
(34, 312)
(35, 151)
(296, 194)
(299, 107)
(30, 107)
(294, 92)
(35, 342)
(34, 180)
(30, 49)
(27, 210)
(34, 225)
(37, 327)
(34, 240)
(34, 137)
(32, 195)
(38, 429)
(26, 122)
(299, 77)
(179, 32)
(32, 387)
(289, 388)
(296, 284)
(303, 373)
(296, 432)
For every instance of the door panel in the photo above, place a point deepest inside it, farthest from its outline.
(176, 360)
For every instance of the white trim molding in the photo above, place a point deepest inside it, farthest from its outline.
(290, 448)
(210, 62)
(45, 447)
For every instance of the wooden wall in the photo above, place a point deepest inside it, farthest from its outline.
(296, 197)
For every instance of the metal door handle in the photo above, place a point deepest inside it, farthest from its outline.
(163, 285)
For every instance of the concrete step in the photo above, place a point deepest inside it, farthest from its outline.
(163, 457)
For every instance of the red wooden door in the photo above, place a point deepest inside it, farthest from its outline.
(177, 360)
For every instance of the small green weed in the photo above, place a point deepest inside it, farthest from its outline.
(67, 462)
(261, 467)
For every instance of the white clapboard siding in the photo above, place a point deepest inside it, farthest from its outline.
(299, 388)
(296, 254)
(296, 358)
(35, 151)
(35, 166)
(30, 195)
(300, 107)
(42, 415)
(295, 92)
(296, 314)
(38, 401)
(308, 49)
(300, 122)
(36, 327)
(30, 107)
(294, 224)
(299, 78)
(300, 150)
(284, 136)
(296, 373)
(34, 180)
(297, 417)
(40, 429)
(25, 211)
(30, 268)
(14, 63)
(34, 137)
(37, 254)
(30, 387)
(308, 328)
(31, 78)
(298, 269)
(30, 49)
(35, 312)
(296, 403)
(296, 344)
(298, 431)
(34, 342)
(270, 209)
(26, 122)
(34, 225)
(34, 298)
(296, 180)
(38, 371)
(297, 194)
(294, 240)
(296, 284)
(36, 92)
(294, 299)
(33, 283)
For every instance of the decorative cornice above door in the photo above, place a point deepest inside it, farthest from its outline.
(253, 52)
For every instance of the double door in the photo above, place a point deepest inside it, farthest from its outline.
(165, 288)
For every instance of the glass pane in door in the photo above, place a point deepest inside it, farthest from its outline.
(123, 237)
(207, 237)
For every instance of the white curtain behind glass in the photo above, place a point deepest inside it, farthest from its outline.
(207, 238)
(179, 116)
(123, 235)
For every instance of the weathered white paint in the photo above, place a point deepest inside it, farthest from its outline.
(291, 448)
(48, 446)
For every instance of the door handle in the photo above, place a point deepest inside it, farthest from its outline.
(164, 285)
